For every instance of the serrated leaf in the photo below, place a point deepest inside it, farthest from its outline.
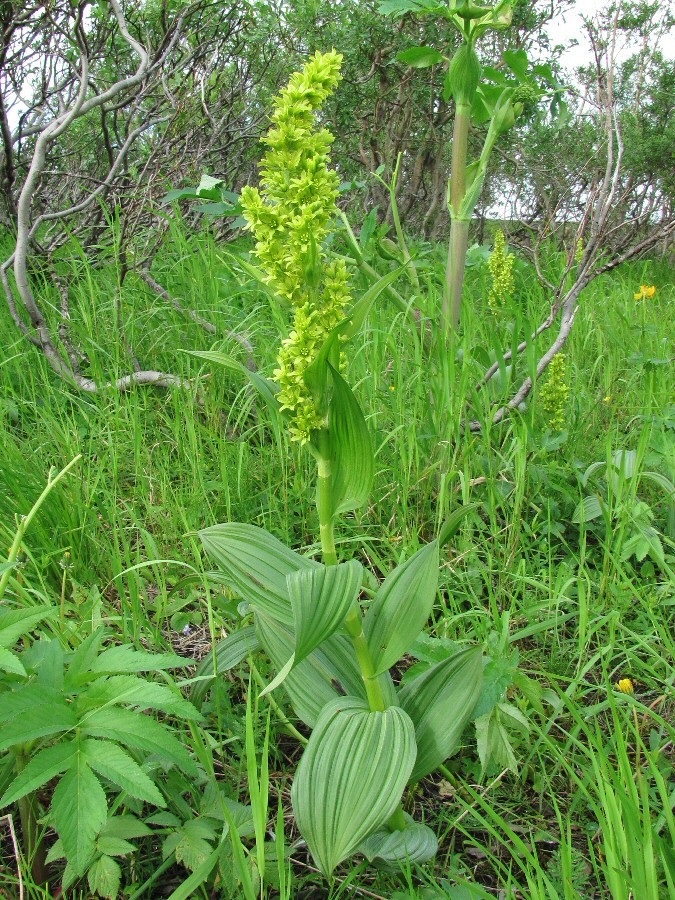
(83, 658)
(125, 658)
(39, 720)
(125, 827)
(192, 843)
(420, 57)
(493, 742)
(516, 60)
(256, 564)
(113, 763)
(138, 731)
(104, 877)
(352, 454)
(137, 692)
(229, 652)
(41, 768)
(401, 607)
(351, 777)
(79, 811)
(10, 662)
(416, 843)
(114, 846)
(440, 704)
(16, 622)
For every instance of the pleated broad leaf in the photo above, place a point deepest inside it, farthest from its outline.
(440, 703)
(351, 777)
(351, 446)
(417, 843)
(256, 564)
(320, 598)
(228, 653)
(324, 676)
(401, 607)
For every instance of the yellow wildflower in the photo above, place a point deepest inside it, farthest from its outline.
(625, 685)
(500, 265)
(555, 392)
(646, 292)
(290, 215)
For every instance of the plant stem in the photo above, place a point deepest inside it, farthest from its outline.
(459, 229)
(33, 845)
(354, 618)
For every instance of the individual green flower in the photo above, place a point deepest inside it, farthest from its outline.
(500, 265)
(555, 392)
(290, 216)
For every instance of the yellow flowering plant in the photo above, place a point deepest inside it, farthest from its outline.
(332, 654)
(646, 292)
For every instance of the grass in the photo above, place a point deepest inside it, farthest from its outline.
(589, 812)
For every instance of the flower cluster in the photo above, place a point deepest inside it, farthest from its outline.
(579, 252)
(555, 392)
(646, 292)
(500, 265)
(290, 216)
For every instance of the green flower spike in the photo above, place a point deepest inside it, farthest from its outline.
(290, 215)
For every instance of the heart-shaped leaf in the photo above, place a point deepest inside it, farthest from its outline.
(440, 703)
(402, 606)
(351, 777)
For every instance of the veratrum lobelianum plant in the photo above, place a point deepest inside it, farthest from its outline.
(482, 96)
(333, 653)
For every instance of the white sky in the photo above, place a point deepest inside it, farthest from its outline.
(567, 27)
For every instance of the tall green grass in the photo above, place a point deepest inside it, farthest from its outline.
(590, 812)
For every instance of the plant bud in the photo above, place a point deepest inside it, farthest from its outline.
(472, 11)
(464, 75)
(505, 113)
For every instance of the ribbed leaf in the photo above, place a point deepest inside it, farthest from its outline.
(351, 448)
(41, 768)
(351, 777)
(138, 731)
(416, 844)
(229, 653)
(440, 703)
(79, 811)
(324, 675)
(256, 564)
(320, 598)
(401, 607)
(117, 766)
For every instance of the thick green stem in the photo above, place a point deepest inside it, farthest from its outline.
(459, 230)
(354, 618)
